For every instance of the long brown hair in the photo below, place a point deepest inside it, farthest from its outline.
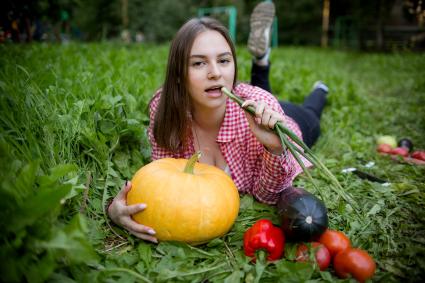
(171, 124)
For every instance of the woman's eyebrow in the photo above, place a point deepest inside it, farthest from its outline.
(225, 54)
(204, 56)
(197, 56)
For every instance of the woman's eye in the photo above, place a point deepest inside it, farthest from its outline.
(197, 63)
(224, 61)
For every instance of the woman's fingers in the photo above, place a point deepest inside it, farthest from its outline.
(122, 194)
(145, 237)
(274, 118)
(264, 115)
(265, 118)
(133, 226)
(259, 110)
(261, 125)
(272, 122)
(119, 209)
(140, 231)
(133, 209)
(259, 106)
(248, 102)
(120, 213)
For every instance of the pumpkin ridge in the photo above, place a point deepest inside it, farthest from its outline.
(191, 233)
(231, 198)
(202, 207)
(211, 183)
(153, 170)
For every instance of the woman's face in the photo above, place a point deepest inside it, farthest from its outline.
(211, 66)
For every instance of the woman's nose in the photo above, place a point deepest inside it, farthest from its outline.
(214, 71)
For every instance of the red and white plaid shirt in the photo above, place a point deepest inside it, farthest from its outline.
(254, 170)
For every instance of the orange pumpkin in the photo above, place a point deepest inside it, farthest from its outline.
(186, 201)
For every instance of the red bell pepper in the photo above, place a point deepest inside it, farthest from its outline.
(264, 236)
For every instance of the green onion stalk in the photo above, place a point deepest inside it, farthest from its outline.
(284, 133)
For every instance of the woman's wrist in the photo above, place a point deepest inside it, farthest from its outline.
(275, 150)
(108, 206)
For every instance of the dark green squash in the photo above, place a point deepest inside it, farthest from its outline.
(304, 217)
(406, 143)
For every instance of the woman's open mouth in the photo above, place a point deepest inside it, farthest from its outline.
(214, 91)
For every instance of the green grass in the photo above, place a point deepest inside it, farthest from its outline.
(72, 129)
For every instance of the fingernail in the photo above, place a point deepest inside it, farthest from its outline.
(142, 206)
(243, 104)
(152, 232)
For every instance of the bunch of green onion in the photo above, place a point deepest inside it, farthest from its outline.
(284, 133)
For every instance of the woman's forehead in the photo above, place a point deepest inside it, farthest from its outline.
(210, 43)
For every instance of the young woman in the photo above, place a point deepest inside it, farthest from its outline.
(190, 113)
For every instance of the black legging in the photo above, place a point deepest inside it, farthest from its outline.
(307, 116)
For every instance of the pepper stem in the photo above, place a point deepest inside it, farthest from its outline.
(191, 162)
(262, 255)
(260, 265)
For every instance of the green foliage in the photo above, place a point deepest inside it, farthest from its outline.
(73, 128)
(159, 20)
(98, 19)
(34, 241)
(299, 20)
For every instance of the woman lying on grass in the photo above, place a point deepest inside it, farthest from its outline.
(190, 113)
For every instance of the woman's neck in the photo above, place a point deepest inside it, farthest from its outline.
(209, 120)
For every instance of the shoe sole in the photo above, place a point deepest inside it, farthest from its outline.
(261, 20)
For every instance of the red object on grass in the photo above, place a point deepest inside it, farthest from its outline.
(355, 262)
(418, 154)
(384, 148)
(335, 241)
(263, 235)
(322, 255)
(402, 151)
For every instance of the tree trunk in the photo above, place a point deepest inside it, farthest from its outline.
(125, 33)
(379, 26)
(325, 22)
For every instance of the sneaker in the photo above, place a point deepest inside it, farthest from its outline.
(321, 85)
(261, 23)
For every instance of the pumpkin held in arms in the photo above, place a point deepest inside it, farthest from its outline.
(187, 201)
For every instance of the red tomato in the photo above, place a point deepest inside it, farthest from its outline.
(335, 241)
(384, 148)
(355, 262)
(322, 255)
(419, 154)
(402, 151)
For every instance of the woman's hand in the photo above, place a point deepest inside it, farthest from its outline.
(263, 123)
(120, 213)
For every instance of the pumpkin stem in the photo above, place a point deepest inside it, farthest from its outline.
(191, 163)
